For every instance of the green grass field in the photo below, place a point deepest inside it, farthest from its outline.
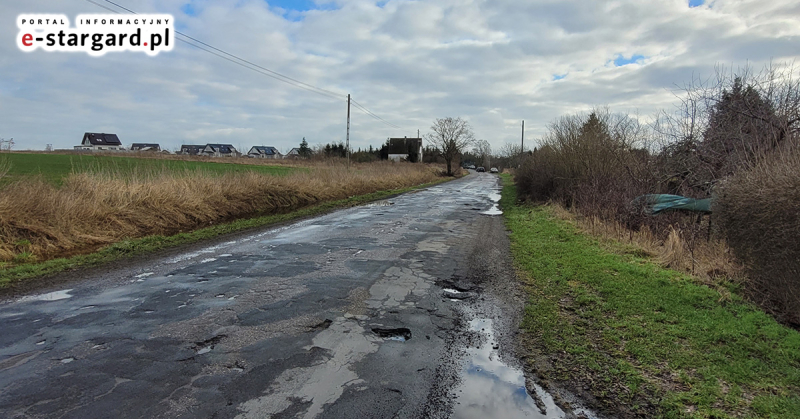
(645, 341)
(55, 167)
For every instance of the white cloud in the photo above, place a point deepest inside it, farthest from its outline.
(492, 62)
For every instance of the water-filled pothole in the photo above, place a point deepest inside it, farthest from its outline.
(492, 388)
(494, 210)
(401, 334)
(50, 296)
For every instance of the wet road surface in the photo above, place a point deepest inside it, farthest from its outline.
(400, 308)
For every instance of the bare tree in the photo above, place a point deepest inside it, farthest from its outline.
(451, 136)
(484, 151)
(511, 155)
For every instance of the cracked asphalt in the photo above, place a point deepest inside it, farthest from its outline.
(363, 312)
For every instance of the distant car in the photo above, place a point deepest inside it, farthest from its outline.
(494, 170)
(471, 166)
(480, 169)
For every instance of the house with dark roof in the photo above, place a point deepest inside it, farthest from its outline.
(293, 154)
(219, 150)
(145, 147)
(264, 152)
(191, 149)
(405, 149)
(93, 141)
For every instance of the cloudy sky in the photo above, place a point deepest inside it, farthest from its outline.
(492, 62)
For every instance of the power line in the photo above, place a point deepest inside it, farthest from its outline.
(270, 73)
(368, 112)
(255, 67)
(103, 6)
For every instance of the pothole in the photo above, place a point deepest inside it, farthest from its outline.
(207, 345)
(494, 210)
(511, 395)
(457, 295)
(455, 284)
(321, 325)
(401, 334)
(380, 204)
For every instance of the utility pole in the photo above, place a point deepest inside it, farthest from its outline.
(522, 146)
(348, 130)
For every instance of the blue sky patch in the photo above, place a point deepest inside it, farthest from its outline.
(189, 10)
(559, 76)
(696, 3)
(295, 5)
(621, 60)
(294, 8)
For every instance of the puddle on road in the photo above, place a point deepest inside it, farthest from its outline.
(490, 388)
(494, 210)
(50, 296)
(380, 204)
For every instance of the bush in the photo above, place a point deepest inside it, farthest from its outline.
(589, 162)
(758, 211)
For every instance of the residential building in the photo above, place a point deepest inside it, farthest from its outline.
(405, 149)
(219, 150)
(145, 147)
(93, 141)
(264, 152)
(191, 149)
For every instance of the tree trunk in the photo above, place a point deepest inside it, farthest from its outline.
(449, 170)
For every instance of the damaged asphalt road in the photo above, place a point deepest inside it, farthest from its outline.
(384, 310)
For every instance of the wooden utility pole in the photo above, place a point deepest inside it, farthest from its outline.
(522, 146)
(348, 130)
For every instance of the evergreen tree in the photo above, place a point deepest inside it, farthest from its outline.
(305, 151)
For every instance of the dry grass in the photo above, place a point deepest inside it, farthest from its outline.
(710, 261)
(40, 221)
(759, 215)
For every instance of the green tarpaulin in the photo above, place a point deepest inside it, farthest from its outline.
(657, 203)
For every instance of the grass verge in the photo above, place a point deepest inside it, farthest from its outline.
(141, 246)
(644, 341)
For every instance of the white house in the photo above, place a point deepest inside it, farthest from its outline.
(219, 150)
(145, 147)
(264, 152)
(405, 149)
(93, 141)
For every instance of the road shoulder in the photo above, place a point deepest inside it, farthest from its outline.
(636, 340)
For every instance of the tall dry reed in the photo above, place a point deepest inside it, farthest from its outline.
(94, 209)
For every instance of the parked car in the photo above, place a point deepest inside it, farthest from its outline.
(480, 169)
(471, 166)
(494, 170)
